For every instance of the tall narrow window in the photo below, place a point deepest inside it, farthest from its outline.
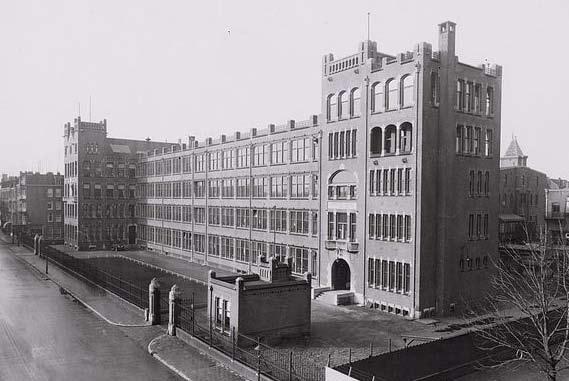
(354, 144)
(459, 138)
(405, 139)
(435, 88)
(488, 142)
(355, 102)
(332, 108)
(377, 97)
(343, 103)
(353, 227)
(460, 94)
(477, 140)
(375, 141)
(391, 98)
(489, 101)
(407, 89)
(390, 137)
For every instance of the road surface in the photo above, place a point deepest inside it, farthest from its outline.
(45, 335)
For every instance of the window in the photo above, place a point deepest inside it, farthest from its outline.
(477, 140)
(260, 187)
(471, 184)
(278, 220)
(488, 142)
(242, 157)
(214, 161)
(300, 186)
(460, 94)
(392, 92)
(299, 260)
(390, 139)
(477, 92)
(260, 155)
(353, 227)
(407, 90)
(489, 101)
(243, 187)
(355, 96)
(468, 96)
(331, 107)
(242, 218)
(435, 88)
(227, 188)
(407, 229)
(259, 219)
(479, 184)
(227, 159)
(279, 152)
(407, 181)
(405, 139)
(459, 138)
(50, 192)
(469, 142)
(344, 111)
(110, 191)
(487, 184)
(375, 141)
(299, 222)
(300, 150)
(315, 227)
(341, 226)
(377, 97)
(279, 186)
(371, 226)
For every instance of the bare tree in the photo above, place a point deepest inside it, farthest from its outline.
(529, 305)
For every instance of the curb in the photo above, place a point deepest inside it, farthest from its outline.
(91, 308)
(164, 362)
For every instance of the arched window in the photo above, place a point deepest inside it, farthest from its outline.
(390, 138)
(391, 98)
(405, 138)
(344, 111)
(355, 102)
(375, 141)
(331, 107)
(407, 89)
(377, 97)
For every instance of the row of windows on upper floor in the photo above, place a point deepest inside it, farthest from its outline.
(300, 150)
(303, 185)
(385, 96)
(395, 94)
(521, 181)
(274, 220)
(522, 201)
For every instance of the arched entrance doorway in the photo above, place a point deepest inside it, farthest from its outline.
(132, 234)
(340, 275)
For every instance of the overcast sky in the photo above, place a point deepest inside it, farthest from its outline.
(169, 69)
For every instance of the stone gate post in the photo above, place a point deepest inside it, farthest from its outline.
(154, 302)
(174, 309)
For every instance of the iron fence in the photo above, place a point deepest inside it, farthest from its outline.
(250, 351)
(136, 294)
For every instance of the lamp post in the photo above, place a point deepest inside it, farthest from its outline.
(274, 230)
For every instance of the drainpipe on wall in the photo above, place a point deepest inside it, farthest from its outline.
(418, 71)
(365, 218)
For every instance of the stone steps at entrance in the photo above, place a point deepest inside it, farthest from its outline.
(337, 297)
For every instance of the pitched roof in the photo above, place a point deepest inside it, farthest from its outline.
(514, 149)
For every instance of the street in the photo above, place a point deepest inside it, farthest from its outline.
(45, 335)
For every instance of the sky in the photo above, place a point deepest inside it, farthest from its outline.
(170, 69)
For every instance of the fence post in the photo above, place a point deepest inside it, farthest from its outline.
(232, 343)
(154, 302)
(173, 310)
(290, 367)
(36, 246)
(329, 360)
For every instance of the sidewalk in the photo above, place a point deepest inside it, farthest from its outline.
(184, 360)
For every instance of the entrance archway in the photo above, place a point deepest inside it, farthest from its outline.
(340, 275)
